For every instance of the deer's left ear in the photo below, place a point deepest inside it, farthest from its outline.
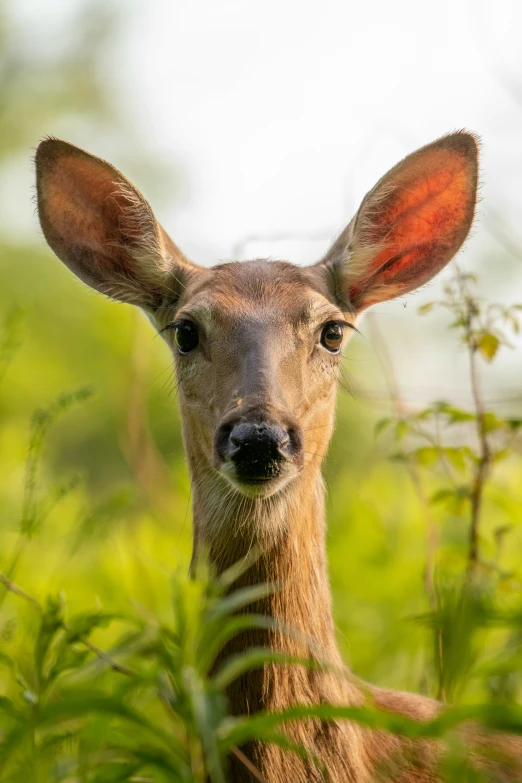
(408, 227)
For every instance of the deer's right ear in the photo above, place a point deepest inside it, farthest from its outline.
(103, 229)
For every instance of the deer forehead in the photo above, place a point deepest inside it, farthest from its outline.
(258, 293)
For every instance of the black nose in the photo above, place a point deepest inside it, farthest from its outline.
(257, 450)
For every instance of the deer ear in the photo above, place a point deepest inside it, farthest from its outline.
(103, 229)
(408, 227)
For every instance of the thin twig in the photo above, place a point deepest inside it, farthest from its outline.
(102, 655)
(11, 587)
(248, 764)
(19, 546)
(482, 467)
(484, 461)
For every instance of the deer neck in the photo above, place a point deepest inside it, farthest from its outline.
(288, 531)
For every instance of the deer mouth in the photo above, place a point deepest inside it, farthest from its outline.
(256, 485)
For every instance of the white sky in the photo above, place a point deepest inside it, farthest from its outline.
(285, 112)
(281, 114)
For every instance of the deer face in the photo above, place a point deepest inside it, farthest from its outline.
(257, 345)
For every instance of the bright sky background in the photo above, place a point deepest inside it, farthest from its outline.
(280, 115)
(285, 112)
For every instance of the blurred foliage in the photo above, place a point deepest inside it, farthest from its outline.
(104, 655)
(40, 83)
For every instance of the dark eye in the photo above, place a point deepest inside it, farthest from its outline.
(332, 337)
(186, 336)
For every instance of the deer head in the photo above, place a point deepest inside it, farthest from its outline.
(257, 345)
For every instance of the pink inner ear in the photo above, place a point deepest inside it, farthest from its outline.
(82, 199)
(421, 222)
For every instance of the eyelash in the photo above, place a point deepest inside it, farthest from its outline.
(172, 325)
(339, 322)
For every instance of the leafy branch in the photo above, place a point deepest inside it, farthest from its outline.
(483, 329)
(461, 448)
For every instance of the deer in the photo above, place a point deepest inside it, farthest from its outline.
(257, 347)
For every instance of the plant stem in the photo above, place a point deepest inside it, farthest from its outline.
(4, 579)
(482, 466)
(483, 463)
(11, 587)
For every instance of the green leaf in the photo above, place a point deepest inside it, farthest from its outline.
(491, 422)
(8, 662)
(427, 455)
(80, 626)
(402, 429)
(256, 658)
(381, 425)
(7, 706)
(226, 579)
(68, 659)
(241, 598)
(240, 730)
(73, 704)
(488, 346)
(160, 759)
(207, 714)
(454, 414)
(458, 457)
(455, 497)
(440, 495)
(11, 741)
(426, 308)
(217, 633)
(52, 621)
(458, 323)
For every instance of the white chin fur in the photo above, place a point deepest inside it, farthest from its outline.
(263, 489)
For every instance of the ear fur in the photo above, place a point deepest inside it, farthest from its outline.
(103, 229)
(408, 226)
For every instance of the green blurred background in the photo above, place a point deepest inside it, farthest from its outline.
(113, 494)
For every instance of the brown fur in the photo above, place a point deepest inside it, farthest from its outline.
(260, 359)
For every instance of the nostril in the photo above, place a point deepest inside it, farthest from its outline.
(284, 439)
(222, 441)
(235, 439)
(252, 436)
(295, 440)
(242, 435)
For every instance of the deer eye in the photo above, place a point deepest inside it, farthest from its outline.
(332, 337)
(186, 336)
